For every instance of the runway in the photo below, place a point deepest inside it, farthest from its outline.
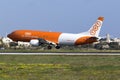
(69, 54)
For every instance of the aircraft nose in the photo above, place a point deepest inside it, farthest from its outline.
(9, 35)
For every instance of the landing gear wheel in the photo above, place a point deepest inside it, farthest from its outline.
(49, 47)
(57, 47)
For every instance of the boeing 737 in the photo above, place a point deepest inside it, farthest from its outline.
(37, 38)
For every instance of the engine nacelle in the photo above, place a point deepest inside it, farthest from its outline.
(37, 42)
(34, 42)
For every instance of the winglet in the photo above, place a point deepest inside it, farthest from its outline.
(101, 18)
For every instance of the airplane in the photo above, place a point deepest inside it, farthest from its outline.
(37, 38)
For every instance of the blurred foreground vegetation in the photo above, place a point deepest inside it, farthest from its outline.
(29, 67)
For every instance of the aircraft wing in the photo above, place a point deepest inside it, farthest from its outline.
(40, 41)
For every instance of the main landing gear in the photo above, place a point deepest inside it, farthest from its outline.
(50, 47)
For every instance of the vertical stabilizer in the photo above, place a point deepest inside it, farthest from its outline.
(95, 29)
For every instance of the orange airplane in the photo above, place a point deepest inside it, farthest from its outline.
(37, 38)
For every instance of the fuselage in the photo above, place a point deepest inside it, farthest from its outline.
(55, 37)
(59, 38)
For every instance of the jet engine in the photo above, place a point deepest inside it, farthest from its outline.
(37, 42)
(34, 42)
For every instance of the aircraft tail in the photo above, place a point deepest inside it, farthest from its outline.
(95, 29)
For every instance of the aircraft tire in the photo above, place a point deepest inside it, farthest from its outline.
(49, 47)
(57, 47)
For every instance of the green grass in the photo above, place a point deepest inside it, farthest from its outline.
(13, 67)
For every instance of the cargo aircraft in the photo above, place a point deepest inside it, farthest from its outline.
(38, 38)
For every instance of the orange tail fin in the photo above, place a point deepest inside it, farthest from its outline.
(95, 29)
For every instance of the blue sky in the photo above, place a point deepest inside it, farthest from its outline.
(72, 16)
